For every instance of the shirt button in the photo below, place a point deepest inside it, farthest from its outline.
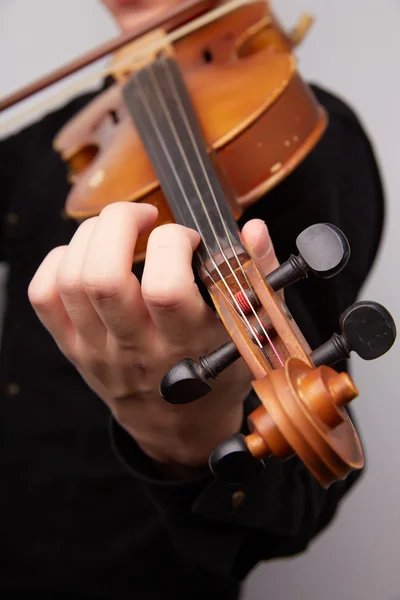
(12, 389)
(238, 498)
(12, 218)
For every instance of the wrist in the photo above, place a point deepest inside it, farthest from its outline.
(184, 446)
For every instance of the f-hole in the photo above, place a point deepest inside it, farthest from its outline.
(114, 116)
(207, 55)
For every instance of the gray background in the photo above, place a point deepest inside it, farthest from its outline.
(354, 50)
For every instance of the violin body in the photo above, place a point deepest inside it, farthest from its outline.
(256, 114)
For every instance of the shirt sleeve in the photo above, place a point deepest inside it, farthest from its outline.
(228, 529)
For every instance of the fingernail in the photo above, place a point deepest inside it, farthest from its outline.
(263, 244)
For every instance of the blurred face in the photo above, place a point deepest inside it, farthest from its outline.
(129, 13)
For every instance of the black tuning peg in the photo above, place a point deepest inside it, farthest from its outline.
(233, 462)
(187, 380)
(323, 251)
(368, 329)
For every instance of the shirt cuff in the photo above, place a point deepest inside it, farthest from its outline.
(203, 495)
(211, 523)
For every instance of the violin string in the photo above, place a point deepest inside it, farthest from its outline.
(194, 143)
(125, 63)
(190, 171)
(183, 192)
(178, 100)
(195, 185)
(201, 163)
(194, 182)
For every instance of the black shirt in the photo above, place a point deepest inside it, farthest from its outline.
(82, 516)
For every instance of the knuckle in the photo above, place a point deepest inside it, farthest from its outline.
(88, 223)
(120, 208)
(114, 208)
(165, 233)
(68, 284)
(41, 289)
(158, 295)
(103, 286)
(38, 296)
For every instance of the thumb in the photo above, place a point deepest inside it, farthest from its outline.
(257, 241)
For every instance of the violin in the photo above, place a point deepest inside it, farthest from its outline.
(206, 114)
(244, 88)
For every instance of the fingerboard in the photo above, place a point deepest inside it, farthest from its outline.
(162, 111)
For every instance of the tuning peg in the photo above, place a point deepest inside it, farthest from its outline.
(367, 329)
(187, 380)
(323, 251)
(233, 462)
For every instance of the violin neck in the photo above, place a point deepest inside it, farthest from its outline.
(160, 106)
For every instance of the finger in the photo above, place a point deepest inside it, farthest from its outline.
(46, 301)
(70, 285)
(258, 243)
(168, 285)
(107, 271)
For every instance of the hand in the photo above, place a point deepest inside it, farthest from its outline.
(123, 337)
